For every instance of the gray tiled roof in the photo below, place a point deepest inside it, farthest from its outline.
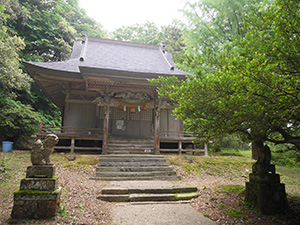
(115, 55)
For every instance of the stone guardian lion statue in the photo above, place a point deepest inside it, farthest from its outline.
(40, 154)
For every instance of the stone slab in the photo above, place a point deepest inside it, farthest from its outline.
(40, 171)
(41, 184)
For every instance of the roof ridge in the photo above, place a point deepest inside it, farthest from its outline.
(83, 49)
(128, 43)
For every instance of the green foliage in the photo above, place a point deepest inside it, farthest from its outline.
(173, 36)
(49, 28)
(149, 33)
(285, 155)
(45, 109)
(17, 121)
(11, 77)
(146, 33)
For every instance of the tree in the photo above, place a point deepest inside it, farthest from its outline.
(49, 28)
(17, 121)
(147, 33)
(34, 30)
(210, 25)
(11, 77)
(253, 88)
(173, 36)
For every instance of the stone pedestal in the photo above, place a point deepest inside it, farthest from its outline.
(38, 197)
(265, 192)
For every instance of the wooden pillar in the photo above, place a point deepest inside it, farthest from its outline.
(180, 147)
(156, 127)
(40, 127)
(105, 130)
(66, 108)
(181, 134)
(205, 150)
(72, 147)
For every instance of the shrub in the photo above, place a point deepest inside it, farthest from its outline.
(17, 121)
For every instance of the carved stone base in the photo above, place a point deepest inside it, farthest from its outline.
(39, 184)
(264, 178)
(38, 197)
(265, 193)
(35, 204)
(40, 171)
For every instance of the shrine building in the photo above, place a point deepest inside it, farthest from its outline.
(106, 100)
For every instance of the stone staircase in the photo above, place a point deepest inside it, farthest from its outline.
(134, 167)
(130, 146)
(143, 195)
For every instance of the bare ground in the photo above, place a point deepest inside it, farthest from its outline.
(80, 206)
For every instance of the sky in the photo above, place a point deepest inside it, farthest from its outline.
(112, 14)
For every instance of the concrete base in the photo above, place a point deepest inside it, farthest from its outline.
(268, 198)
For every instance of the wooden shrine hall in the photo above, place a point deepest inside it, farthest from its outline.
(106, 100)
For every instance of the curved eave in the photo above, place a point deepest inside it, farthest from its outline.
(34, 68)
(127, 74)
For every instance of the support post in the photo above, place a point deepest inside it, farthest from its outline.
(105, 130)
(156, 128)
(179, 147)
(72, 148)
(40, 127)
(205, 150)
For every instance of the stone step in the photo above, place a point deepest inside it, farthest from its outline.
(114, 151)
(186, 196)
(137, 178)
(135, 174)
(149, 194)
(132, 164)
(132, 156)
(134, 169)
(151, 197)
(172, 190)
(132, 159)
